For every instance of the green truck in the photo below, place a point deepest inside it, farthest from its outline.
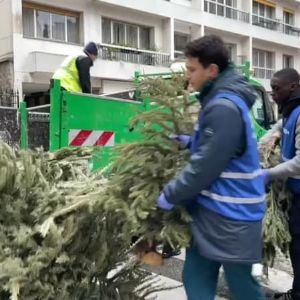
(103, 121)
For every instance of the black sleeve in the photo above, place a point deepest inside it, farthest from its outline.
(83, 65)
(222, 138)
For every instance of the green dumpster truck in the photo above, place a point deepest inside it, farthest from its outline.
(104, 121)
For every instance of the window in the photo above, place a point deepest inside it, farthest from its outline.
(263, 10)
(288, 17)
(232, 51)
(288, 21)
(28, 22)
(287, 61)
(221, 8)
(123, 34)
(132, 36)
(264, 15)
(58, 27)
(43, 24)
(181, 40)
(263, 63)
(50, 23)
(144, 38)
(106, 31)
(225, 8)
(73, 29)
(119, 34)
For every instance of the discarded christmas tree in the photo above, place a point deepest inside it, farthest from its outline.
(276, 230)
(57, 241)
(67, 233)
(143, 168)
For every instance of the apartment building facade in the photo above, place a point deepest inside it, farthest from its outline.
(135, 35)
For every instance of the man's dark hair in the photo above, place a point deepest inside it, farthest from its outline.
(209, 49)
(289, 74)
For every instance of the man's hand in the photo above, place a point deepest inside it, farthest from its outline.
(163, 203)
(182, 138)
(266, 145)
(265, 173)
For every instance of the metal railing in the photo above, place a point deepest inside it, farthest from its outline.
(9, 126)
(268, 23)
(225, 11)
(136, 56)
(276, 25)
(290, 30)
(179, 54)
(9, 98)
(263, 73)
(35, 126)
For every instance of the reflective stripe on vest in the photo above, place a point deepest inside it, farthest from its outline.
(236, 200)
(68, 75)
(239, 175)
(239, 192)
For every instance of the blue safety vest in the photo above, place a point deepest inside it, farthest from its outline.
(239, 192)
(288, 150)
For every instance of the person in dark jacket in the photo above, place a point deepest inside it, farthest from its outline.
(74, 73)
(285, 86)
(221, 186)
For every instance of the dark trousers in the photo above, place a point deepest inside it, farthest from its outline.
(295, 259)
(294, 224)
(200, 277)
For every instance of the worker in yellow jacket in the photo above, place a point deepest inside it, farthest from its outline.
(74, 72)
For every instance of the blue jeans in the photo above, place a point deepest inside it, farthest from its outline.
(200, 276)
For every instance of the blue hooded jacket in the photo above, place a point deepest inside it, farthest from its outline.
(216, 236)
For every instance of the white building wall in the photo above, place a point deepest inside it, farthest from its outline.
(241, 42)
(279, 51)
(197, 31)
(26, 62)
(109, 86)
(292, 5)
(168, 33)
(35, 60)
(6, 48)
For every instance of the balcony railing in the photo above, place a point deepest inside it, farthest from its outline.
(131, 55)
(226, 11)
(276, 25)
(264, 73)
(179, 54)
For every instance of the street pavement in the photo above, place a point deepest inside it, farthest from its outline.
(170, 275)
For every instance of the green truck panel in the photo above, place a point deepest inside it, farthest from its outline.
(86, 120)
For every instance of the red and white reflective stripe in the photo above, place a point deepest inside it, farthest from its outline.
(91, 138)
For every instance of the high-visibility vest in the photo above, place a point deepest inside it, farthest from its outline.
(68, 75)
(239, 192)
(288, 149)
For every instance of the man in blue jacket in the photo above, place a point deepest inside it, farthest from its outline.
(285, 86)
(222, 185)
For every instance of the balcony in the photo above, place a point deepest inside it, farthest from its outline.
(276, 25)
(263, 73)
(226, 11)
(131, 55)
(179, 54)
(181, 2)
